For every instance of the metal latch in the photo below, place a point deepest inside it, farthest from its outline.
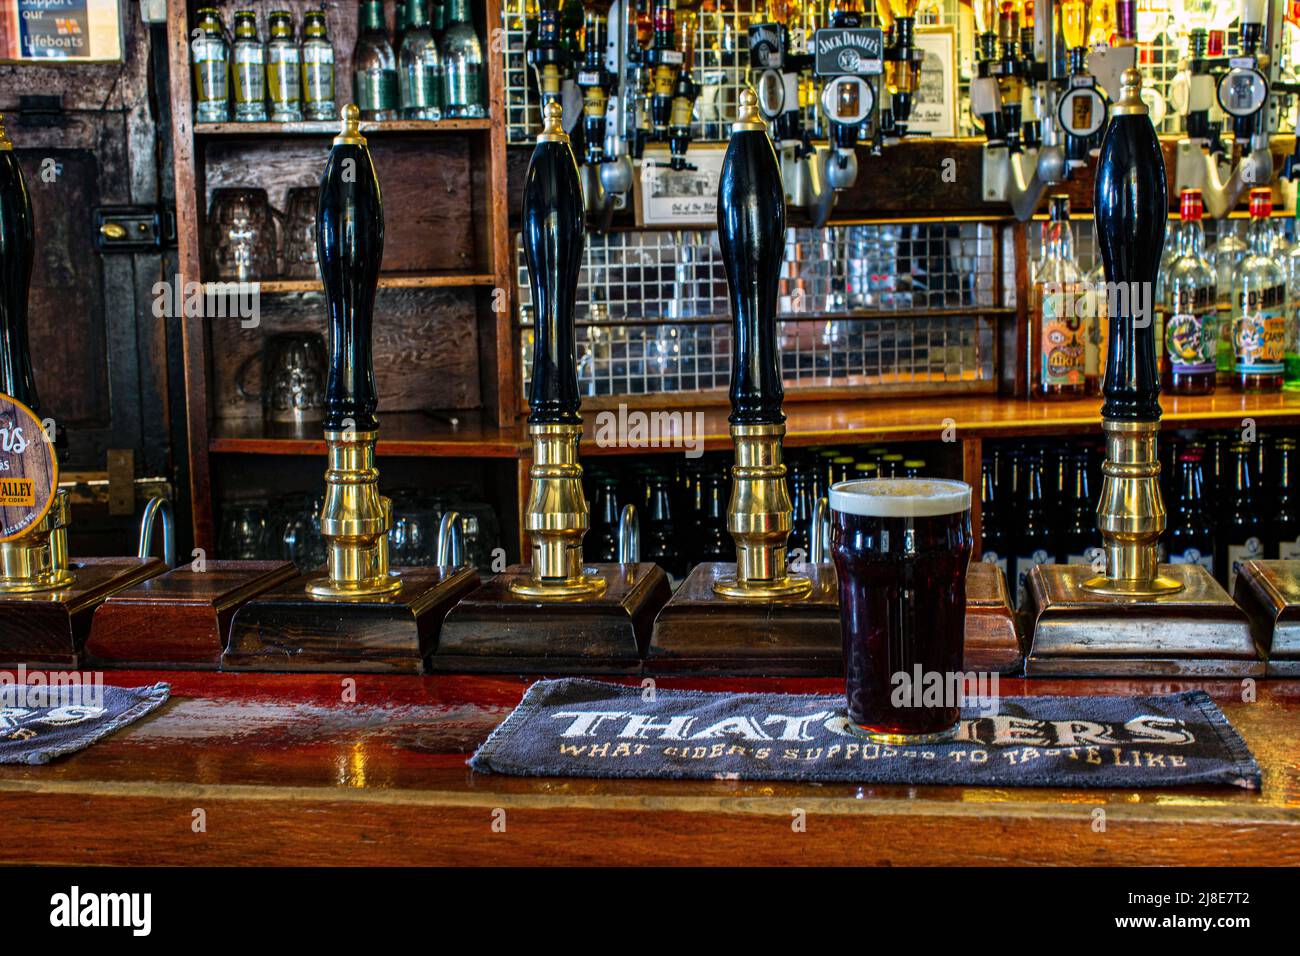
(134, 228)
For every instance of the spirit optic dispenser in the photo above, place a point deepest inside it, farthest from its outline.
(46, 599)
(754, 616)
(358, 613)
(557, 613)
(1138, 617)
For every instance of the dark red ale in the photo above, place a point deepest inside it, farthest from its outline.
(901, 547)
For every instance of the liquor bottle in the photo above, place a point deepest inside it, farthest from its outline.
(601, 543)
(715, 542)
(462, 64)
(420, 67)
(1225, 258)
(660, 531)
(1190, 297)
(1034, 544)
(1189, 536)
(841, 468)
(914, 467)
(211, 58)
(374, 68)
(1284, 542)
(284, 70)
(993, 530)
(865, 470)
(1291, 266)
(1079, 541)
(437, 17)
(891, 465)
(401, 23)
(317, 68)
(1241, 536)
(1058, 333)
(1258, 306)
(249, 61)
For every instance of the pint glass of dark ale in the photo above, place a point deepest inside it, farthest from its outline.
(901, 546)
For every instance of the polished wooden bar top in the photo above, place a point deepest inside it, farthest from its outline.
(322, 769)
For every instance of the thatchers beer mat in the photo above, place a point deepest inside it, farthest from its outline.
(586, 728)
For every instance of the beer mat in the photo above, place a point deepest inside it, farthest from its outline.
(41, 722)
(586, 728)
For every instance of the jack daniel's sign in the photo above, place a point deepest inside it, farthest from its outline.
(848, 51)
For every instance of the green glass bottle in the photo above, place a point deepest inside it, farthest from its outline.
(374, 67)
(462, 64)
(420, 67)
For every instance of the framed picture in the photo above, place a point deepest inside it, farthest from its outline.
(685, 197)
(60, 31)
(934, 107)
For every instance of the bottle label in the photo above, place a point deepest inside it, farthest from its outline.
(210, 70)
(1191, 336)
(376, 90)
(1061, 338)
(1089, 558)
(1288, 550)
(1194, 556)
(1251, 550)
(423, 87)
(1259, 333)
(464, 85)
(250, 74)
(317, 76)
(284, 79)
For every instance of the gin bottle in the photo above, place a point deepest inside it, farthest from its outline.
(420, 67)
(374, 67)
(462, 64)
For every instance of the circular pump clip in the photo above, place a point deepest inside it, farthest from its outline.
(1081, 111)
(1243, 91)
(771, 93)
(848, 100)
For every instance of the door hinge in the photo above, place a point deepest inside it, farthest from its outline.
(134, 228)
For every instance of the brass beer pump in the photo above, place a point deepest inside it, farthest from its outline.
(357, 612)
(1139, 617)
(555, 613)
(757, 616)
(46, 599)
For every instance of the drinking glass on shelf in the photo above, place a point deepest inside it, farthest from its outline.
(301, 540)
(293, 378)
(413, 539)
(300, 234)
(243, 530)
(241, 235)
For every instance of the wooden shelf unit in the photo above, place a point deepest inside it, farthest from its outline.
(449, 332)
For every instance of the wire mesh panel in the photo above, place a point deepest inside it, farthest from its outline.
(653, 313)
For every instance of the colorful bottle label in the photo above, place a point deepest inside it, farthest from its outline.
(423, 87)
(318, 80)
(284, 79)
(1194, 556)
(1061, 342)
(250, 75)
(1259, 332)
(1191, 334)
(211, 85)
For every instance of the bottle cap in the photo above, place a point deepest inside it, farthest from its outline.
(1191, 208)
(1214, 45)
(1261, 202)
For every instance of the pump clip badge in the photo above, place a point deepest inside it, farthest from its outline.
(29, 471)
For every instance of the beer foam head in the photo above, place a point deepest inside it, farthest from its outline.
(900, 497)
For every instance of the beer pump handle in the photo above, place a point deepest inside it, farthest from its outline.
(751, 232)
(1131, 205)
(350, 246)
(554, 235)
(17, 248)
